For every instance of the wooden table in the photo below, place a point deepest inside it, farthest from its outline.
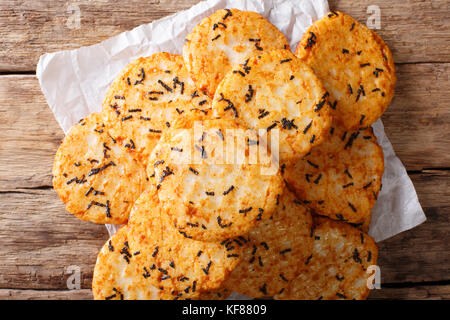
(39, 240)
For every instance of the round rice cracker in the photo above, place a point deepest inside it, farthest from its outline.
(179, 266)
(341, 178)
(274, 251)
(94, 175)
(117, 276)
(355, 65)
(147, 96)
(209, 194)
(338, 267)
(225, 39)
(277, 91)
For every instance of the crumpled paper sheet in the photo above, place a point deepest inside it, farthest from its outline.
(75, 82)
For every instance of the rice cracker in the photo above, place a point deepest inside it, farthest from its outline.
(273, 251)
(338, 267)
(117, 276)
(147, 96)
(178, 266)
(355, 65)
(227, 38)
(277, 91)
(341, 178)
(208, 181)
(95, 175)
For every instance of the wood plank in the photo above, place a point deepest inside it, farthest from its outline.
(11, 294)
(433, 187)
(436, 292)
(31, 28)
(417, 123)
(414, 30)
(418, 255)
(40, 240)
(29, 134)
(418, 292)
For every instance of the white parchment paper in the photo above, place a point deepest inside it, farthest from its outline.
(75, 82)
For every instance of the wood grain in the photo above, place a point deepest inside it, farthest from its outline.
(413, 29)
(31, 28)
(420, 254)
(40, 241)
(417, 121)
(417, 292)
(12, 294)
(29, 134)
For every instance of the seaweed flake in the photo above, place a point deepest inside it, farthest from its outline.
(245, 210)
(285, 251)
(221, 224)
(348, 185)
(318, 179)
(249, 95)
(312, 164)
(273, 125)
(307, 127)
(97, 170)
(311, 40)
(228, 14)
(262, 113)
(230, 105)
(350, 140)
(367, 185)
(165, 86)
(228, 190)
(352, 206)
(142, 76)
(193, 171)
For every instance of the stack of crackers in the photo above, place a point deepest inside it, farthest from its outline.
(238, 166)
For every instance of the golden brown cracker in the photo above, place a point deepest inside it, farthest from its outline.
(355, 65)
(209, 194)
(95, 175)
(341, 178)
(179, 266)
(227, 38)
(276, 90)
(338, 267)
(147, 96)
(274, 250)
(117, 276)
